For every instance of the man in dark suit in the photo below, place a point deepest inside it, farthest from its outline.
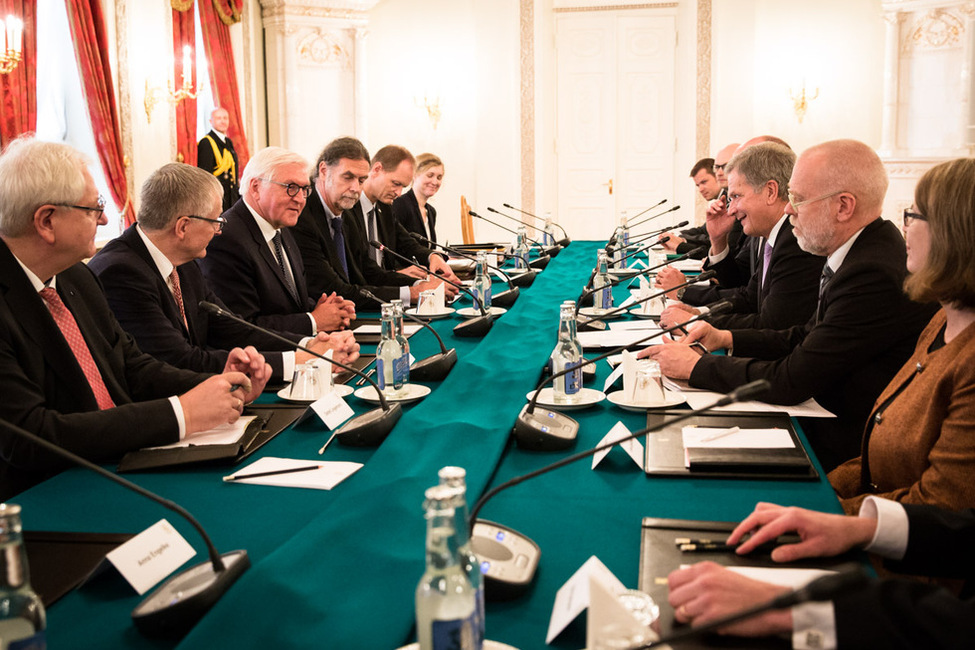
(68, 372)
(784, 289)
(215, 154)
(255, 267)
(154, 287)
(864, 327)
(917, 539)
(331, 233)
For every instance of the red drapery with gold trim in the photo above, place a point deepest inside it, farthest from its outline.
(223, 74)
(18, 89)
(91, 49)
(184, 34)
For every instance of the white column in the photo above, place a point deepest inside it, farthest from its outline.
(888, 134)
(361, 87)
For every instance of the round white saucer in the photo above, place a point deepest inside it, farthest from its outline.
(440, 314)
(470, 312)
(585, 398)
(671, 398)
(341, 389)
(408, 394)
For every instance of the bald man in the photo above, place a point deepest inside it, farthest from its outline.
(864, 327)
(215, 154)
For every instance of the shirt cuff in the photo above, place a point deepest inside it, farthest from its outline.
(314, 325)
(714, 259)
(404, 295)
(814, 626)
(180, 418)
(288, 365)
(890, 538)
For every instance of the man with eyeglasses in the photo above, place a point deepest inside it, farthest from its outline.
(864, 327)
(154, 287)
(68, 372)
(333, 238)
(255, 266)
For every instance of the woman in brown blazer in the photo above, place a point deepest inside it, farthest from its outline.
(919, 442)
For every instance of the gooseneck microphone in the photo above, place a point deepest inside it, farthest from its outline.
(706, 275)
(850, 577)
(366, 430)
(546, 252)
(183, 599)
(474, 327)
(433, 368)
(611, 243)
(642, 237)
(654, 216)
(552, 251)
(564, 242)
(592, 276)
(503, 299)
(550, 430)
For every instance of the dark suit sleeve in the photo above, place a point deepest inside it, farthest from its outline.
(803, 361)
(204, 156)
(355, 239)
(230, 269)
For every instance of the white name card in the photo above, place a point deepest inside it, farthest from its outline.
(332, 410)
(151, 555)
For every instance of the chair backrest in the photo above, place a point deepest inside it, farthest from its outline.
(466, 222)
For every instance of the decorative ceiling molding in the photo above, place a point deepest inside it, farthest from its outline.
(274, 11)
(936, 30)
(648, 5)
(322, 48)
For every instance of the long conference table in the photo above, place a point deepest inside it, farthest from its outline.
(338, 568)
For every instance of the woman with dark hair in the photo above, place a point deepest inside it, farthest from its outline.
(412, 208)
(919, 442)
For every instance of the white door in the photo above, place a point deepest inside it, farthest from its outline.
(615, 116)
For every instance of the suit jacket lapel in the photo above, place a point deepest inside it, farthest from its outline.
(264, 250)
(168, 301)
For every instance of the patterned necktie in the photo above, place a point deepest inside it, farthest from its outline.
(766, 258)
(338, 237)
(178, 295)
(823, 281)
(279, 253)
(72, 334)
(375, 253)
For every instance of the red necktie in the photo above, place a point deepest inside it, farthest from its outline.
(72, 334)
(178, 294)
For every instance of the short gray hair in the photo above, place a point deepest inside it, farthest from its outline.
(764, 162)
(266, 161)
(339, 148)
(33, 173)
(177, 190)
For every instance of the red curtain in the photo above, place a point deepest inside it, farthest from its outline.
(91, 49)
(18, 89)
(184, 33)
(223, 75)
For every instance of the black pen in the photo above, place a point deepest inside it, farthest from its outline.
(240, 477)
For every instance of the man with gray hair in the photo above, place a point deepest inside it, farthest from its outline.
(68, 372)
(154, 287)
(864, 327)
(784, 288)
(255, 266)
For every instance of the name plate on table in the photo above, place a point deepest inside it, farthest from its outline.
(666, 454)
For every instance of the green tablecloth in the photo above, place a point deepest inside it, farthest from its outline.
(337, 569)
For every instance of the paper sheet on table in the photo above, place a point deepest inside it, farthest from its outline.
(611, 338)
(742, 439)
(627, 325)
(328, 476)
(792, 578)
(688, 265)
(225, 434)
(808, 409)
(408, 329)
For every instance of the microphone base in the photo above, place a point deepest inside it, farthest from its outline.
(475, 327)
(590, 326)
(177, 605)
(552, 251)
(434, 368)
(521, 280)
(540, 262)
(369, 429)
(506, 298)
(564, 243)
(545, 430)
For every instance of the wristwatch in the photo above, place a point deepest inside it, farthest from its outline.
(680, 293)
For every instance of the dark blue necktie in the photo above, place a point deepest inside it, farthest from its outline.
(339, 238)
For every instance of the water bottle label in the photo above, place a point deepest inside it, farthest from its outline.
(626, 239)
(457, 634)
(573, 379)
(483, 297)
(33, 642)
(401, 369)
(606, 298)
(380, 373)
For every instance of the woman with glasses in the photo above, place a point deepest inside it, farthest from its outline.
(919, 442)
(413, 209)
